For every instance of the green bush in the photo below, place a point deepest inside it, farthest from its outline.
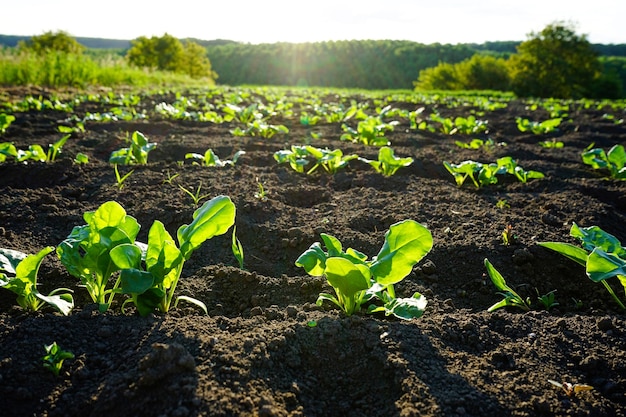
(480, 72)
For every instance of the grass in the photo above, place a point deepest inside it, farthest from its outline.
(57, 69)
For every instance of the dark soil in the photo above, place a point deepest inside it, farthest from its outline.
(257, 353)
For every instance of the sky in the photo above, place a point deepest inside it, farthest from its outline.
(268, 21)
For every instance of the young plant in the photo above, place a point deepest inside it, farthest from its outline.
(547, 300)
(7, 149)
(370, 131)
(508, 237)
(5, 122)
(387, 163)
(296, 157)
(210, 159)
(480, 174)
(86, 253)
(196, 197)
(509, 165)
(121, 179)
(237, 248)
(488, 145)
(151, 280)
(551, 144)
(260, 128)
(262, 193)
(356, 280)
(81, 158)
(511, 298)
(136, 153)
(18, 273)
(538, 128)
(54, 358)
(602, 255)
(614, 160)
(331, 161)
(55, 148)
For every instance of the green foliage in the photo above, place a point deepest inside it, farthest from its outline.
(86, 252)
(538, 128)
(485, 174)
(167, 53)
(296, 157)
(370, 131)
(136, 153)
(54, 358)
(488, 144)
(52, 41)
(614, 160)
(151, 282)
(555, 62)
(5, 122)
(210, 159)
(330, 161)
(237, 248)
(18, 273)
(480, 72)
(463, 125)
(511, 298)
(602, 255)
(387, 163)
(357, 281)
(121, 179)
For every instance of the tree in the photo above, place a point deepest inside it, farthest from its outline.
(480, 72)
(167, 53)
(52, 41)
(555, 62)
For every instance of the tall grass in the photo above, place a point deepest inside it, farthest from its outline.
(59, 69)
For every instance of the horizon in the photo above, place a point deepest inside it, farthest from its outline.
(447, 22)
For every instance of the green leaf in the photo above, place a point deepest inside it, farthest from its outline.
(406, 308)
(135, 281)
(602, 265)
(406, 243)
(126, 256)
(313, 260)
(346, 277)
(594, 237)
(9, 259)
(333, 245)
(214, 218)
(572, 252)
(163, 258)
(29, 267)
(64, 303)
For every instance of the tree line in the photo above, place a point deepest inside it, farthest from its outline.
(376, 64)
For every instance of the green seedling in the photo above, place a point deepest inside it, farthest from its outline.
(5, 122)
(370, 131)
(121, 179)
(244, 115)
(260, 128)
(309, 120)
(79, 127)
(538, 128)
(480, 174)
(81, 158)
(296, 157)
(237, 248)
(55, 148)
(195, 197)
(551, 144)
(502, 204)
(511, 298)
(547, 300)
(151, 279)
(488, 145)
(614, 160)
(7, 149)
(330, 161)
(209, 159)
(136, 153)
(18, 273)
(357, 280)
(261, 194)
(485, 174)
(54, 358)
(602, 255)
(388, 164)
(509, 165)
(86, 251)
(170, 178)
(508, 237)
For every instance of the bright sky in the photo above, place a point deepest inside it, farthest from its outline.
(261, 21)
